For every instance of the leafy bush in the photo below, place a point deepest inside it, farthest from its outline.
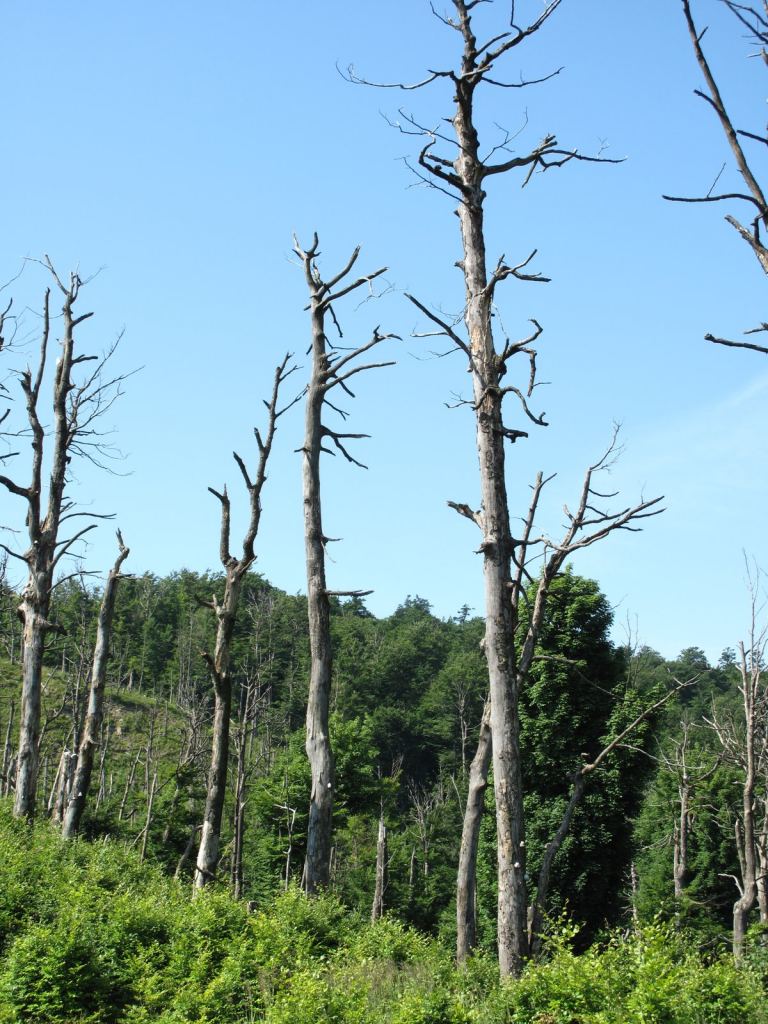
(92, 936)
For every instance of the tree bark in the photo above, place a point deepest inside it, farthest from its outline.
(318, 740)
(329, 369)
(382, 857)
(680, 851)
(75, 407)
(466, 878)
(225, 611)
(208, 851)
(496, 544)
(8, 752)
(95, 713)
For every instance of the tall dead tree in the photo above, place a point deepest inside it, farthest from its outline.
(755, 19)
(331, 369)
(744, 743)
(587, 525)
(94, 716)
(77, 405)
(225, 610)
(462, 172)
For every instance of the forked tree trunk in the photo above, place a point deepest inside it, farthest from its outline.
(71, 407)
(226, 614)
(94, 716)
(466, 878)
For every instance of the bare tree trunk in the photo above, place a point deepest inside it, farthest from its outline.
(27, 760)
(466, 877)
(740, 744)
(208, 851)
(219, 661)
(61, 786)
(95, 713)
(680, 851)
(751, 694)
(186, 855)
(8, 751)
(326, 367)
(239, 815)
(128, 784)
(318, 741)
(762, 880)
(464, 174)
(535, 922)
(150, 803)
(74, 409)
(382, 859)
(102, 790)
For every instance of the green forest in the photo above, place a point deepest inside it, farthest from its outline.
(224, 803)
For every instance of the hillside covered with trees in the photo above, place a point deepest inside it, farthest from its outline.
(223, 802)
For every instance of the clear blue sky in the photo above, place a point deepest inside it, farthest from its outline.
(178, 144)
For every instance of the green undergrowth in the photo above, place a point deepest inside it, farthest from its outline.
(89, 934)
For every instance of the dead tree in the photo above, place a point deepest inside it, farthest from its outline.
(330, 369)
(590, 523)
(462, 171)
(684, 763)
(94, 717)
(225, 610)
(76, 408)
(744, 744)
(382, 865)
(756, 23)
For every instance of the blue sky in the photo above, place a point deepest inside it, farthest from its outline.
(177, 146)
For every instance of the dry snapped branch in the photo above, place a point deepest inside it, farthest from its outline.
(755, 22)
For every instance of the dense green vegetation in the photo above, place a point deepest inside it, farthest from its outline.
(98, 930)
(88, 933)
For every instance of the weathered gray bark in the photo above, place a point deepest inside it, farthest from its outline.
(382, 863)
(751, 691)
(75, 407)
(466, 876)
(326, 373)
(745, 748)
(236, 873)
(463, 176)
(680, 842)
(225, 611)
(94, 716)
(762, 872)
(318, 741)
(148, 820)
(753, 233)
(8, 752)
